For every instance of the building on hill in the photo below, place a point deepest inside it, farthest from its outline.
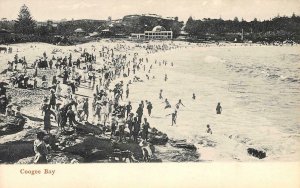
(158, 32)
(79, 32)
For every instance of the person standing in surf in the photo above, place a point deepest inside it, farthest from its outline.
(160, 94)
(179, 103)
(219, 108)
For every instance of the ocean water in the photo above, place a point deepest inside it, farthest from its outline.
(258, 87)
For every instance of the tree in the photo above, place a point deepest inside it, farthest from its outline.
(24, 24)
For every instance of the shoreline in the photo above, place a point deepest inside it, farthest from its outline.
(205, 147)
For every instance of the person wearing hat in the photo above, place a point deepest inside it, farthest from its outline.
(40, 149)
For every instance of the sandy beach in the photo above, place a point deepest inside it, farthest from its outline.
(244, 78)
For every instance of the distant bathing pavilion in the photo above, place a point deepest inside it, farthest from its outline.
(158, 32)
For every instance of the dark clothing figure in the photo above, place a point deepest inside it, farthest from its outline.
(149, 108)
(127, 93)
(139, 112)
(54, 80)
(47, 118)
(63, 115)
(121, 132)
(86, 109)
(194, 96)
(136, 130)
(52, 102)
(174, 116)
(65, 77)
(130, 125)
(145, 132)
(128, 109)
(50, 64)
(71, 117)
(219, 108)
(114, 124)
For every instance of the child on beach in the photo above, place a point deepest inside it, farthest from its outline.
(209, 131)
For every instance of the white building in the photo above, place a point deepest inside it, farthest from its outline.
(157, 32)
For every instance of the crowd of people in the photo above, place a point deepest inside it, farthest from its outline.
(106, 74)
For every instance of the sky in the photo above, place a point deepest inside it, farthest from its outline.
(43, 10)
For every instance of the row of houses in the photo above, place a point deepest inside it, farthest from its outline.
(157, 33)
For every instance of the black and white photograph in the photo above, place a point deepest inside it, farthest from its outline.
(148, 82)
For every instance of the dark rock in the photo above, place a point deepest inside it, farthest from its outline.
(185, 146)
(64, 158)
(158, 139)
(93, 149)
(182, 144)
(88, 128)
(51, 140)
(130, 146)
(155, 160)
(27, 160)
(11, 152)
(11, 125)
(256, 153)
(90, 148)
(172, 154)
(96, 154)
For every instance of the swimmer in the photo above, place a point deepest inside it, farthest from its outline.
(167, 104)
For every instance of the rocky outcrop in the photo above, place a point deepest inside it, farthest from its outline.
(55, 158)
(95, 148)
(11, 152)
(169, 153)
(182, 144)
(157, 138)
(88, 128)
(11, 125)
(256, 153)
